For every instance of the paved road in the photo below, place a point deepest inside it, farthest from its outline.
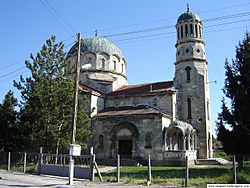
(15, 179)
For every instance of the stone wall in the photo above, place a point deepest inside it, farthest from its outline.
(145, 125)
(163, 101)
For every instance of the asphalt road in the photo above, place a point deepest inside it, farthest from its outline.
(15, 179)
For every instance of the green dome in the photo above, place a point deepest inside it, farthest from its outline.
(98, 45)
(188, 16)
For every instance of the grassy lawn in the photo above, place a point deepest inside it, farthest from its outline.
(168, 176)
(174, 176)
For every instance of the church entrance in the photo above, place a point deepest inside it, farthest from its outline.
(125, 149)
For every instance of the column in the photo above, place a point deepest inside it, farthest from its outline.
(192, 142)
(184, 143)
(188, 140)
(170, 143)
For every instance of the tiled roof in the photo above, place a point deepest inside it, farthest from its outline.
(89, 89)
(130, 110)
(144, 88)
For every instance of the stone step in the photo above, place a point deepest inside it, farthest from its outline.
(213, 161)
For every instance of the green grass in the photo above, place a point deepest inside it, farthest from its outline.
(30, 168)
(174, 176)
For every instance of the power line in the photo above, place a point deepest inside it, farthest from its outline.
(12, 72)
(168, 18)
(58, 15)
(55, 17)
(12, 64)
(169, 33)
(14, 76)
(152, 29)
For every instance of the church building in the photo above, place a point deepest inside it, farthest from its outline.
(167, 120)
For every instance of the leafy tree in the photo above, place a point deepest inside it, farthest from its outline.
(236, 137)
(47, 98)
(8, 122)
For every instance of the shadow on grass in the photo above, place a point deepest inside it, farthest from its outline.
(169, 172)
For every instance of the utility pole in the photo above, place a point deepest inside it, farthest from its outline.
(75, 108)
(75, 104)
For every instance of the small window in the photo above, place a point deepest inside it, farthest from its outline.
(189, 108)
(103, 63)
(188, 74)
(155, 101)
(208, 111)
(101, 141)
(114, 65)
(148, 140)
(122, 68)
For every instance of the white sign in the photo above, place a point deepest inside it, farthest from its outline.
(74, 150)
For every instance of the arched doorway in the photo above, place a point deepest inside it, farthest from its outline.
(123, 137)
(125, 145)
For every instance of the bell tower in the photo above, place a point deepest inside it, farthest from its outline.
(191, 80)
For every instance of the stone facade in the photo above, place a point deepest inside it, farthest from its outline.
(167, 120)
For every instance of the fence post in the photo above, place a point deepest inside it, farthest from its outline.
(92, 165)
(40, 161)
(8, 168)
(24, 162)
(118, 169)
(234, 170)
(187, 173)
(149, 171)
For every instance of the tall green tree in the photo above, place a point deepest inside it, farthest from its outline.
(47, 98)
(233, 126)
(8, 123)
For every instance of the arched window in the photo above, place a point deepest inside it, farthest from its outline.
(189, 108)
(188, 73)
(122, 68)
(114, 66)
(101, 141)
(148, 140)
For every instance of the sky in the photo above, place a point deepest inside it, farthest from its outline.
(149, 51)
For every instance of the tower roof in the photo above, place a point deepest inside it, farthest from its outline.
(97, 44)
(188, 16)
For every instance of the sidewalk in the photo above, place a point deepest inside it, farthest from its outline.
(16, 179)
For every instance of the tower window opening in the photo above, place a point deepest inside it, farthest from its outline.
(181, 31)
(196, 30)
(188, 74)
(200, 31)
(191, 29)
(186, 30)
(178, 34)
(189, 108)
